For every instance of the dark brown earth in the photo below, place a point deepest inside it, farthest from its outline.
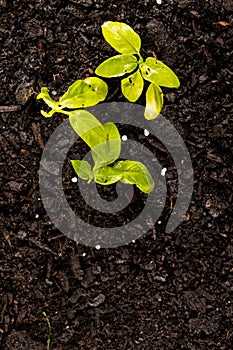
(166, 291)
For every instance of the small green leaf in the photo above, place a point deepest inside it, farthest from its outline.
(104, 140)
(128, 172)
(154, 101)
(132, 86)
(135, 173)
(84, 93)
(121, 37)
(109, 147)
(82, 169)
(107, 175)
(117, 66)
(87, 127)
(158, 73)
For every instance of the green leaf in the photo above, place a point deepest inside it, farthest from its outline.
(104, 140)
(109, 147)
(121, 37)
(135, 173)
(158, 73)
(87, 127)
(128, 172)
(117, 66)
(84, 93)
(154, 101)
(107, 175)
(82, 169)
(132, 86)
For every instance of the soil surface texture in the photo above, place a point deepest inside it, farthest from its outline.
(165, 291)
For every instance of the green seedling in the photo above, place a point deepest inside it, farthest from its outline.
(103, 139)
(105, 143)
(49, 328)
(128, 43)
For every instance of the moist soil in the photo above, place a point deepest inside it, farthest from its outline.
(164, 291)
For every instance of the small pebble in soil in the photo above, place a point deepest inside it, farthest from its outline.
(146, 132)
(163, 171)
(124, 138)
(159, 2)
(159, 222)
(84, 254)
(74, 179)
(208, 203)
(21, 234)
(97, 247)
(36, 216)
(133, 241)
(54, 93)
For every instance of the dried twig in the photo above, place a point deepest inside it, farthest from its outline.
(5, 109)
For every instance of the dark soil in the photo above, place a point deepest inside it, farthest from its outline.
(165, 291)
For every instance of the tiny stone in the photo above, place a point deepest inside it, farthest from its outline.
(203, 78)
(146, 132)
(133, 241)
(208, 203)
(21, 234)
(163, 171)
(159, 2)
(74, 179)
(124, 138)
(160, 279)
(36, 216)
(159, 222)
(84, 254)
(50, 283)
(24, 91)
(97, 247)
(54, 93)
